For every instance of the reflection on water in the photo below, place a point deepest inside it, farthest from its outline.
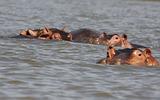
(42, 70)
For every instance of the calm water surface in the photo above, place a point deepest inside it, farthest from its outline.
(50, 70)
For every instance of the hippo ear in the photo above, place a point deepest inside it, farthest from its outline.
(148, 51)
(124, 36)
(103, 35)
(110, 52)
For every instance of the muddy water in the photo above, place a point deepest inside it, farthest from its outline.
(50, 70)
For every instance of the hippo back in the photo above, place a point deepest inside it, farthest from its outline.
(88, 36)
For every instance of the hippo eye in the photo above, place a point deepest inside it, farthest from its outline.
(139, 54)
(116, 37)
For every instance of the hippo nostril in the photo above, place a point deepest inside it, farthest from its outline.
(139, 54)
(116, 37)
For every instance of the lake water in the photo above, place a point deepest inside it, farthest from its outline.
(50, 70)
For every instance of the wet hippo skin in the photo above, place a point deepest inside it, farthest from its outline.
(89, 36)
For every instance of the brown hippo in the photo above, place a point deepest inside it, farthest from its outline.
(85, 35)
(47, 33)
(122, 41)
(130, 56)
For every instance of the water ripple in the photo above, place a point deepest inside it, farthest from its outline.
(47, 70)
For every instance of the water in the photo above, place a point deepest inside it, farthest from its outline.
(50, 70)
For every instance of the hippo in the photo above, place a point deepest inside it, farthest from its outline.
(90, 36)
(129, 56)
(46, 33)
(122, 41)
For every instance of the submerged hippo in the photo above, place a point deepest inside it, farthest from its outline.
(130, 56)
(46, 33)
(94, 37)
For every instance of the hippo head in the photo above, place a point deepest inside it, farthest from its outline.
(125, 56)
(114, 40)
(117, 40)
(150, 60)
(136, 57)
(131, 56)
